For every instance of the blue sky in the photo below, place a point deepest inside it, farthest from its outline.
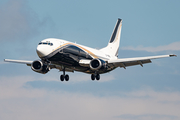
(138, 93)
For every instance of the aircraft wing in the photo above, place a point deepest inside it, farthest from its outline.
(125, 62)
(28, 63)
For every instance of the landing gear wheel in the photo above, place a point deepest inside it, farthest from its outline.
(92, 77)
(66, 77)
(62, 77)
(97, 77)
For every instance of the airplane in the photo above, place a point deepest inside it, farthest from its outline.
(69, 57)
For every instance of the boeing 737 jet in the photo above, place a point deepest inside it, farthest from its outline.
(69, 57)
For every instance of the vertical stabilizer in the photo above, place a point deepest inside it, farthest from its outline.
(113, 45)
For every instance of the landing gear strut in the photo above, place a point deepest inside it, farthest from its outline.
(63, 76)
(95, 76)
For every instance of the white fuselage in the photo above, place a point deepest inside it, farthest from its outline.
(71, 55)
(52, 44)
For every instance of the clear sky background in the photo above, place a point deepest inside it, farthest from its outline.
(149, 28)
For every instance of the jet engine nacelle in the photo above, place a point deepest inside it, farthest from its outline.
(39, 67)
(97, 64)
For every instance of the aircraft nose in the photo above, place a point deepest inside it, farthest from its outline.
(40, 52)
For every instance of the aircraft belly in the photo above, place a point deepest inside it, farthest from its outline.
(69, 56)
(67, 60)
(72, 62)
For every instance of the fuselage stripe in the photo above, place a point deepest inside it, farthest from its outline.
(92, 54)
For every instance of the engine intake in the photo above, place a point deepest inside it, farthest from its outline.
(97, 64)
(39, 67)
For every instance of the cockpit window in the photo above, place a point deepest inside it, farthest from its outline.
(46, 43)
(50, 44)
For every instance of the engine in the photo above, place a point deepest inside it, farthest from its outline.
(39, 67)
(97, 64)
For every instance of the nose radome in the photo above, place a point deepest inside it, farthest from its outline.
(40, 51)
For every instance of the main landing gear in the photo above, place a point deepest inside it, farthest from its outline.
(66, 76)
(63, 76)
(95, 76)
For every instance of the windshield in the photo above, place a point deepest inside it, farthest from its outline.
(46, 43)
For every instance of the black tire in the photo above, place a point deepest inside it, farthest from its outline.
(66, 77)
(92, 77)
(62, 77)
(97, 77)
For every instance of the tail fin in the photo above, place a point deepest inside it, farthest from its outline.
(113, 45)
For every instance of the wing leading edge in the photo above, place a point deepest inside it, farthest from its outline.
(125, 62)
(28, 63)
